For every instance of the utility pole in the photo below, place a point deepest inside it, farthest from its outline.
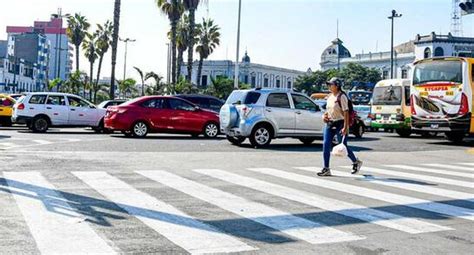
(126, 41)
(236, 73)
(394, 15)
(168, 63)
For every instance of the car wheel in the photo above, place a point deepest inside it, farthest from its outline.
(40, 125)
(307, 141)
(455, 137)
(235, 140)
(359, 131)
(211, 130)
(140, 129)
(261, 136)
(404, 132)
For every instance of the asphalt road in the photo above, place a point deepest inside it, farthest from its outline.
(72, 190)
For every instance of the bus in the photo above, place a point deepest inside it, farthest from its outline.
(391, 106)
(442, 96)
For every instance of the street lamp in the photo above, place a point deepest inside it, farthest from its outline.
(126, 41)
(236, 73)
(394, 15)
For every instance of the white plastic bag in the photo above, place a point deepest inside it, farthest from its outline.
(339, 150)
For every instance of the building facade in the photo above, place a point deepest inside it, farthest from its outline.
(432, 45)
(256, 75)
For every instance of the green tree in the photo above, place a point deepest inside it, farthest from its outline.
(315, 81)
(173, 9)
(184, 87)
(90, 52)
(115, 37)
(142, 78)
(209, 39)
(54, 83)
(191, 6)
(182, 34)
(127, 87)
(159, 87)
(77, 31)
(104, 37)
(74, 83)
(354, 72)
(222, 87)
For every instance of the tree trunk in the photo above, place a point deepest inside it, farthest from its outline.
(180, 61)
(115, 36)
(201, 60)
(77, 58)
(96, 84)
(173, 54)
(191, 43)
(91, 80)
(143, 87)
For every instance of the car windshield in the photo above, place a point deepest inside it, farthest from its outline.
(447, 71)
(389, 95)
(360, 97)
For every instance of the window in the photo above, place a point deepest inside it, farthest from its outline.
(278, 83)
(252, 98)
(385, 75)
(56, 100)
(407, 95)
(38, 99)
(278, 100)
(204, 81)
(404, 74)
(265, 82)
(438, 71)
(177, 104)
(77, 102)
(215, 105)
(246, 79)
(387, 96)
(427, 53)
(439, 52)
(289, 85)
(254, 81)
(153, 103)
(303, 103)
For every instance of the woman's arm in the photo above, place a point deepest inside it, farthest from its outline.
(345, 129)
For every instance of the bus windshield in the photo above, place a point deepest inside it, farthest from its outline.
(387, 95)
(447, 71)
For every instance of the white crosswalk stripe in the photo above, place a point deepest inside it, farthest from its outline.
(402, 185)
(378, 217)
(42, 142)
(467, 164)
(453, 211)
(55, 226)
(434, 179)
(312, 232)
(432, 170)
(180, 228)
(445, 166)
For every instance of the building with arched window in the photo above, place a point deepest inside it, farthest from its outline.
(405, 54)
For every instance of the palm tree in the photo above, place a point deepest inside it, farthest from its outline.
(76, 31)
(182, 35)
(209, 39)
(173, 9)
(90, 52)
(127, 86)
(115, 36)
(104, 34)
(158, 82)
(142, 78)
(191, 6)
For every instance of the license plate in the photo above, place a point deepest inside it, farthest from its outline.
(449, 93)
(434, 126)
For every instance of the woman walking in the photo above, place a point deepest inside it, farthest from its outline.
(337, 119)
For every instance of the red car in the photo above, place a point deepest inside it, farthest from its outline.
(161, 114)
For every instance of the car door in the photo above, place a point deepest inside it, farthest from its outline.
(34, 106)
(81, 112)
(278, 110)
(156, 113)
(308, 115)
(185, 117)
(57, 110)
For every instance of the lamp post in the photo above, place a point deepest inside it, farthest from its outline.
(126, 41)
(394, 15)
(236, 73)
(58, 45)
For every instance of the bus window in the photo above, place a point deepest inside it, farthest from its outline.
(450, 71)
(407, 96)
(387, 96)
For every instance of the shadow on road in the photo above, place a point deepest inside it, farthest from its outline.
(4, 136)
(170, 137)
(316, 147)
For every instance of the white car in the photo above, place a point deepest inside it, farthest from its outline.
(42, 110)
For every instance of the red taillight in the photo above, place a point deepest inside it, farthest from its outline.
(464, 107)
(21, 107)
(412, 105)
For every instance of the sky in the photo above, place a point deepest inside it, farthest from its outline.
(284, 33)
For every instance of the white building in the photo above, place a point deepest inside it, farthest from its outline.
(256, 75)
(428, 46)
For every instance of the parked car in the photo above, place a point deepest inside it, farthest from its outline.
(42, 110)
(106, 104)
(265, 114)
(161, 114)
(16, 96)
(204, 101)
(6, 109)
(364, 112)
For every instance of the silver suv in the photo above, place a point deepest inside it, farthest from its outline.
(265, 114)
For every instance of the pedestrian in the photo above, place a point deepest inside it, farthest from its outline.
(337, 119)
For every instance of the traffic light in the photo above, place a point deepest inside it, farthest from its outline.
(467, 7)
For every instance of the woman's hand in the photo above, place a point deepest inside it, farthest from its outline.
(326, 117)
(345, 131)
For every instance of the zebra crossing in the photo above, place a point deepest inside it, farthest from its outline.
(150, 200)
(18, 143)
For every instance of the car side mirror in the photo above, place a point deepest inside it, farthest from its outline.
(197, 109)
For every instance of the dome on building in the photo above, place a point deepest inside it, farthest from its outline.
(330, 53)
(246, 58)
